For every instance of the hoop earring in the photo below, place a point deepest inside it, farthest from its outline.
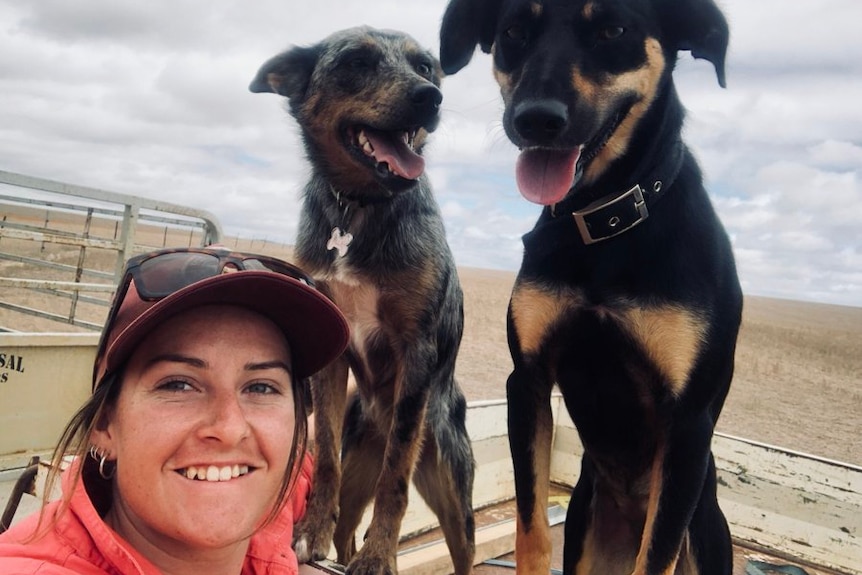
(95, 452)
(104, 475)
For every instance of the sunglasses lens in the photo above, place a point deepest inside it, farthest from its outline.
(278, 267)
(256, 264)
(164, 274)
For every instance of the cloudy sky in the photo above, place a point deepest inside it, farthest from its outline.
(150, 98)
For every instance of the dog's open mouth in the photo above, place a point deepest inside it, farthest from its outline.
(545, 175)
(391, 153)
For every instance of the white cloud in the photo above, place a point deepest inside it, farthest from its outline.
(151, 99)
(836, 155)
(453, 210)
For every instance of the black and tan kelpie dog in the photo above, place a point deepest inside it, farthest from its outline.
(371, 234)
(627, 297)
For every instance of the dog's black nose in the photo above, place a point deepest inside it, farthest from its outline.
(540, 121)
(427, 98)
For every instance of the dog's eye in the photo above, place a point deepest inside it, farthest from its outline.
(359, 63)
(516, 33)
(611, 32)
(424, 69)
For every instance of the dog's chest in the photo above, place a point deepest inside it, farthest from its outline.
(558, 321)
(359, 300)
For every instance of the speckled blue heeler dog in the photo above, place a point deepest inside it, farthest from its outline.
(372, 236)
(627, 298)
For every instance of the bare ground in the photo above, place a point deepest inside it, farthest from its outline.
(798, 365)
(797, 382)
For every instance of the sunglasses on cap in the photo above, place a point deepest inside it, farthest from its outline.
(161, 273)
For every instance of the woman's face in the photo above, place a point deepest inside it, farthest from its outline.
(201, 432)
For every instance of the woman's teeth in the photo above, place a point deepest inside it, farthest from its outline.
(213, 473)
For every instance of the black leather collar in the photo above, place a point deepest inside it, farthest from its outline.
(346, 200)
(616, 213)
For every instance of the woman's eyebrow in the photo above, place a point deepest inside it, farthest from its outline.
(199, 363)
(274, 364)
(176, 358)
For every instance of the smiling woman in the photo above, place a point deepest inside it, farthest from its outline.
(190, 454)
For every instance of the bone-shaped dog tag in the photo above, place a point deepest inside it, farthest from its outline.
(339, 241)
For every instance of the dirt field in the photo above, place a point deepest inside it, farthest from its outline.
(798, 378)
(798, 370)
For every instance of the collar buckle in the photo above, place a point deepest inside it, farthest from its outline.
(604, 219)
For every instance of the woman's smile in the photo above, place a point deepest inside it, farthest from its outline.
(214, 472)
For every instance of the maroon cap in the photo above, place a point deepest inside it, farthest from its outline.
(314, 327)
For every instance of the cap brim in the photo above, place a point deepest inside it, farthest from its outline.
(315, 329)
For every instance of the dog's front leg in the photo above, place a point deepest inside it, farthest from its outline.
(312, 536)
(377, 555)
(676, 482)
(530, 435)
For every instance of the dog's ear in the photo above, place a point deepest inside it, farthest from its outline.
(287, 73)
(698, 26)
(466, 23)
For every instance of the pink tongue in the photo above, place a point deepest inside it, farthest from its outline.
(390, 148)
(545, 176)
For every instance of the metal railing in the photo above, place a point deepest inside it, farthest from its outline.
(51, 230)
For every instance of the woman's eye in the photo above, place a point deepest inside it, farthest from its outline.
(262, 388)
(175, 385)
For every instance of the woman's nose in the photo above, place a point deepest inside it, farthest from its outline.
(226, 420)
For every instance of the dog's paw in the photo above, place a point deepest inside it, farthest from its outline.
(310, 544)
(366, 563)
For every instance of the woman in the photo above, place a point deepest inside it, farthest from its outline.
(194, 436)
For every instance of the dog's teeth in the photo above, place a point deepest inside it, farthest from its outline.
(365, 143)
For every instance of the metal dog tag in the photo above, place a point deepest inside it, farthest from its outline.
(339, 241)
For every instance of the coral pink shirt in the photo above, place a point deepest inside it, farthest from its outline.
(80, 543)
